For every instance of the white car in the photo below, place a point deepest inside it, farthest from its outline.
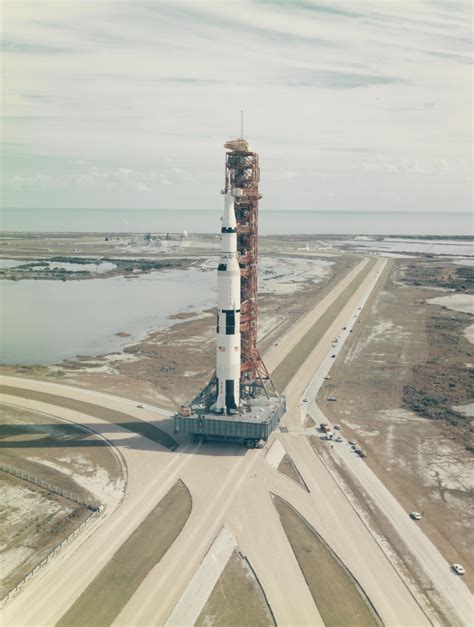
(415, 515)
(327, 377)
(459, 569)
(331, 398)
(339, 439)
(352, 442)
(337, 427)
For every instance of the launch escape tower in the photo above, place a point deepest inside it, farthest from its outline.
(240, 403)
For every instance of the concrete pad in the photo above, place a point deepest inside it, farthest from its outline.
(194, 598)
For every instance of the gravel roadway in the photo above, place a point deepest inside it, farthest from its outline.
(229, 485)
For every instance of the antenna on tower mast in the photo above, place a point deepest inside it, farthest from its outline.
(241, 124)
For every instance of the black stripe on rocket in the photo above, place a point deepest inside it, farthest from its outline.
(229, 315)
(229, 393)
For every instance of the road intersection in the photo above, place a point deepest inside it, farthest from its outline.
(233, 489)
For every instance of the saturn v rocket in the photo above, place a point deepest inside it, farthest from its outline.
(240, 403)
(240, 372)
(228, 313)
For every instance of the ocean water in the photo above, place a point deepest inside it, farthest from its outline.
(207, 221)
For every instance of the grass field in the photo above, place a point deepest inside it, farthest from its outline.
(338, 597)
(288, 468)
(236, 600)
(112, 588)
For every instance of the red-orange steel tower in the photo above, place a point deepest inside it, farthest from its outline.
(242, 173)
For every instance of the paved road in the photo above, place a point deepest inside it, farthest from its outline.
(227, 489)
(453, 593)
(151, 473)
(451, 589)
(329, 512)
(276, 353)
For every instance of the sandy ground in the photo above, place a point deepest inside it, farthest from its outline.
(64, 455)
(252, 518)
(424, 463)
(457, 302)
(359, 417)
(33, 522)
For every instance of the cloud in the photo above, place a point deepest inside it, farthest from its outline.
(18, 47)
(34, 182)
(139, 97)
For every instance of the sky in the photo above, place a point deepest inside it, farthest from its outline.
(351, 104)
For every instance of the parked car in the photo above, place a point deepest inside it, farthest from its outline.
(331, 398)
(339, 439)
(327, 377)
(361, 453)
(306, 400)
(333, 356)
(353, 442)
(415, 515)
(458, 569)
(141, 406)
(337, 427)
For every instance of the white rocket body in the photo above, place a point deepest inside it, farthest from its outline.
(228, 315)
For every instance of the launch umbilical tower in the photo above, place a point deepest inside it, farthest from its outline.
(242, 175)
(240, 403)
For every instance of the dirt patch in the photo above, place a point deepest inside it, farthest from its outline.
(338, 597)
(113, 587)
(237, 599)
(424, 463)
(33, 522)
(309, 422)
(67, 457)
(288, 468)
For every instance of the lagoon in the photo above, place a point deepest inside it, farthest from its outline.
(44, 322)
